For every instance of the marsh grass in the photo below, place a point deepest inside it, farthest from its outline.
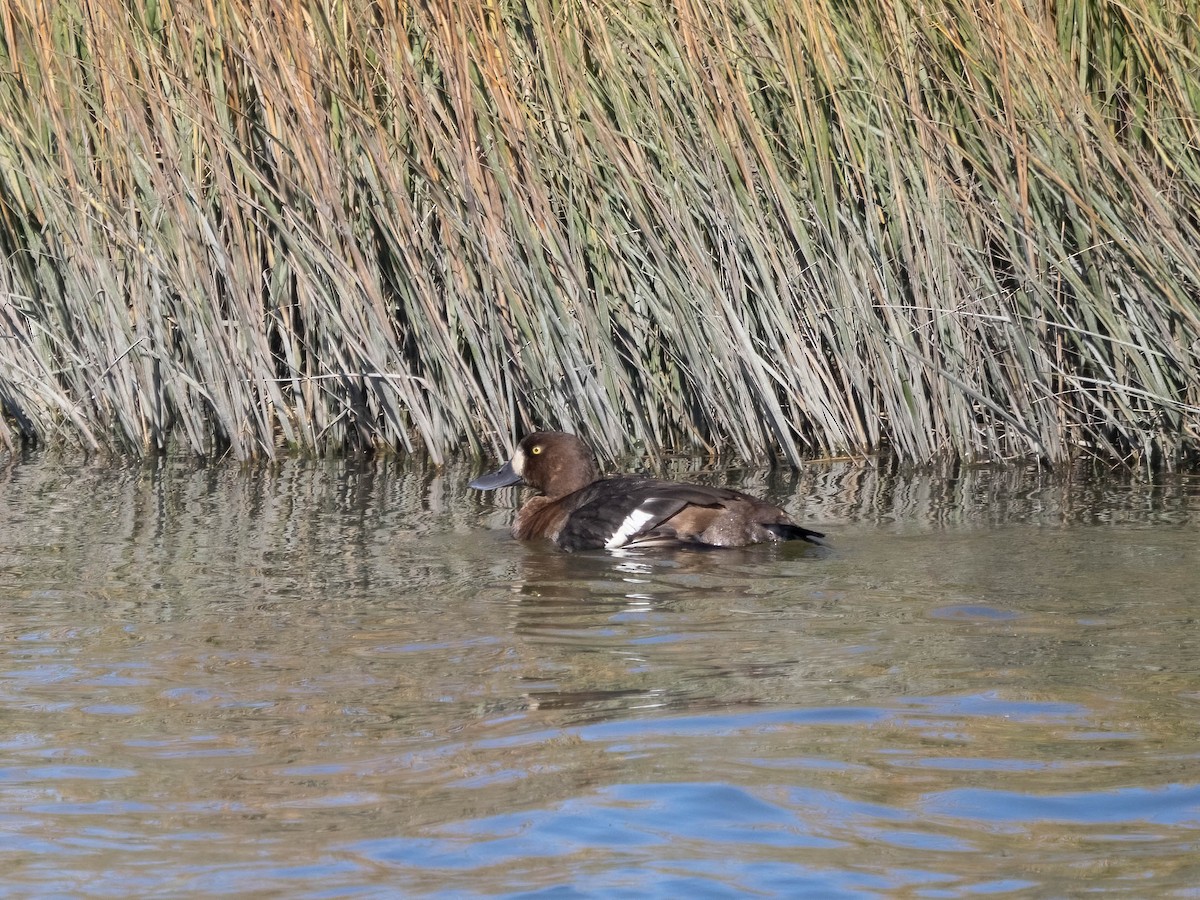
(752, 227)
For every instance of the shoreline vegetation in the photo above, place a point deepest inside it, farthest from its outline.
(772, 229)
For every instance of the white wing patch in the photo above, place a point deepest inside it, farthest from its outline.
(629, 528)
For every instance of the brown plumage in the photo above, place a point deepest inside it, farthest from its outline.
(578, 510)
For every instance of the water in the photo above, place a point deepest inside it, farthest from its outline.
(325, 679)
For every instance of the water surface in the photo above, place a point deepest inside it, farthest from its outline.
(329, 679)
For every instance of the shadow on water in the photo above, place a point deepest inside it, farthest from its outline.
(325, 678)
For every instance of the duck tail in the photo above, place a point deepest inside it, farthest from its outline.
(794, 533)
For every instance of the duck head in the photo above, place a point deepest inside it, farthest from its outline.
(554, 462)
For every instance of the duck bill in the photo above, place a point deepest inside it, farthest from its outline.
(502, 477)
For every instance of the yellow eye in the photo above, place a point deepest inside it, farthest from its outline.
(535, 449)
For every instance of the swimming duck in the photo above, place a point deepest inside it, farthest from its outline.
(579, 510)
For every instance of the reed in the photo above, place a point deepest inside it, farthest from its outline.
(785, 228)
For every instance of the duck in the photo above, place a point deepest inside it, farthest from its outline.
(576, 509)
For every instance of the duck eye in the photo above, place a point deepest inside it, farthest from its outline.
(536, 449)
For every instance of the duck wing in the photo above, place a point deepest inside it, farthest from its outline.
(614, 512)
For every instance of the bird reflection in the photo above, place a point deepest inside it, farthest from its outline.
(605, 634)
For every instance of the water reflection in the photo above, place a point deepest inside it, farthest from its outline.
(328, 677)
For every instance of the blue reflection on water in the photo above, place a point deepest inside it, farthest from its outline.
(759, 834)
(1172, 804)
(674, 839)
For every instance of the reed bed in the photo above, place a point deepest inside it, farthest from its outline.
(763, 228)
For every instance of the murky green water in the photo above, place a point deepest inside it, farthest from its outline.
(329, 679)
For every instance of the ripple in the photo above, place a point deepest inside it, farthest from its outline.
(34, 774)
(974, 613)
(1172, 804)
